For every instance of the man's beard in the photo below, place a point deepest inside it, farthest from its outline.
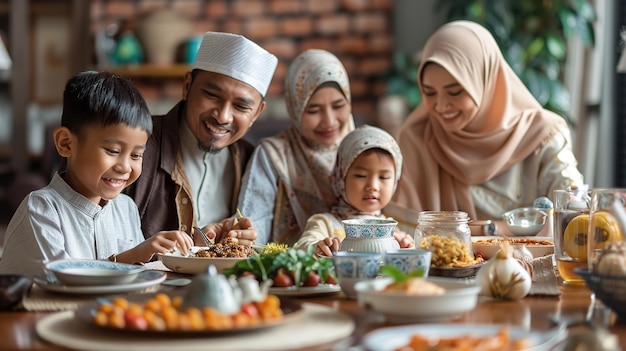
(210, 148)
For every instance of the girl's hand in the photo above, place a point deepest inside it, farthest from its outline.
(327, 246)
(405, 240)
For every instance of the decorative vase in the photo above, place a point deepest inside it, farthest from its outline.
(161, 33)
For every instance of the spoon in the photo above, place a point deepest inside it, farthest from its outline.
(205, 238)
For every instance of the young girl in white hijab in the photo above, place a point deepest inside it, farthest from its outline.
(365, 175)
(479, 142)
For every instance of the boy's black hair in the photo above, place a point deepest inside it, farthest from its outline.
(101, 98)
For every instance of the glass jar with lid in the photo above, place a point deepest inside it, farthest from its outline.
(447, 235)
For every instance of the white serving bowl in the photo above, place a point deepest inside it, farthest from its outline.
(525, 221)
(195, 265)
(489, 246)
(93, 272)
(459, 297)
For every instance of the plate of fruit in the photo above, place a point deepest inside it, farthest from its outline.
(163, 314)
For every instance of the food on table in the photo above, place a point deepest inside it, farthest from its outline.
(499, 342)
(503, 276)
(162, 313)
(226, 248)
(525, 241)
(612, 260)
(605, 227)
(415, 286)
(411, 283)
(447, 252)
(575, 237)
(288, 267)
(274, 247)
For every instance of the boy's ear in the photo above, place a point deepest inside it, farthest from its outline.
(64, 141)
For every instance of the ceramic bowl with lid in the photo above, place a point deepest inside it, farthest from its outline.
(369, 228)
(369, 235)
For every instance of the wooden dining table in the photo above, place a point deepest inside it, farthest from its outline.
(17, 328)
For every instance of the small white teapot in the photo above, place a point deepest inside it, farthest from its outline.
(226, 295)
(251, 290)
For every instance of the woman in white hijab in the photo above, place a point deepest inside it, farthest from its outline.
(287, 179)
(479, 142)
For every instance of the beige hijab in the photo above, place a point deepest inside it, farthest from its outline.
(304, 167)
(439, 167)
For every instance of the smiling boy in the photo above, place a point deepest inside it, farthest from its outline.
(81, 214)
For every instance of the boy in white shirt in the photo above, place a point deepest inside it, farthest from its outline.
(81, 213)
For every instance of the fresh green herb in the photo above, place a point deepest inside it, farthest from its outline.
(399, 276)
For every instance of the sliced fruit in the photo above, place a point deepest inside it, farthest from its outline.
(605, 229)
(575, 237)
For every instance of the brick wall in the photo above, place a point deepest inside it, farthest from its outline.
(359, 32)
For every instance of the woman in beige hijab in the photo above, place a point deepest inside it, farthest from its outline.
(288, 177)
(479, 142)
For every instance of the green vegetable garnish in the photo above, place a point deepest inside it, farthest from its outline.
(289, 259)
(398, 276)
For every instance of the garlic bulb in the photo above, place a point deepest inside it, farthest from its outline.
(504, 277)
(612, 260)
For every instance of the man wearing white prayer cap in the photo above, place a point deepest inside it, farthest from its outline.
(195, 157)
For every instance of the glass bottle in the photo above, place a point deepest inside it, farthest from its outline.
(447, 234)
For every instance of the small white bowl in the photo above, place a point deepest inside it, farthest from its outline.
(525, 221)
(195, 265)
(459, 297)
(488, 246)
(93, 272)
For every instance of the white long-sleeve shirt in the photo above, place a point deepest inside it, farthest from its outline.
(56, 222)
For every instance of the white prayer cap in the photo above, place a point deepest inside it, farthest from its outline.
(238, 57)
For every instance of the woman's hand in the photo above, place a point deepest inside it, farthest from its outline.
(239, 229)
(405, 240)
(327, 246)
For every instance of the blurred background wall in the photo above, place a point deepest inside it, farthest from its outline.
(50, 40)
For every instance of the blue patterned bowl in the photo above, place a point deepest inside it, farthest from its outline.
(93, 272)
(409, 260)
(352, 267)
(370, 228)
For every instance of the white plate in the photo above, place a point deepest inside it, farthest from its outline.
(489, 250)
(459, 297)
(391, 338)
(195, 265)
(93, 272)
(322, 289)
(144, 280)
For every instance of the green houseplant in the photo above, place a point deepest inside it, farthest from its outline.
(533, 38)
